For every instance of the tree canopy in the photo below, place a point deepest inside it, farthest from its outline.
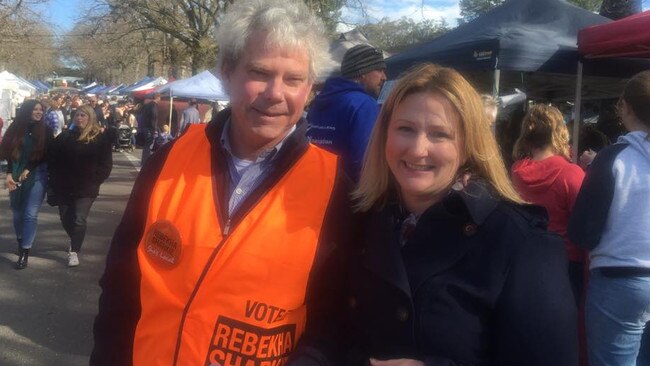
(123, 40)
(396, 34)
(27, 44)
(613, 9)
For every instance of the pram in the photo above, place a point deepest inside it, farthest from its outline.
(124, 138)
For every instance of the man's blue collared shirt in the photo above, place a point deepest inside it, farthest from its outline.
(246, 175)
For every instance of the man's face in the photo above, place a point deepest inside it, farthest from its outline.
(55, 103)
(268, 91)
(373, 81)
(92, 102)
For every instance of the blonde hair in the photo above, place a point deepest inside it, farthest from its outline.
(489, 101)
(543, 126)
(377, 185)
(92, 129)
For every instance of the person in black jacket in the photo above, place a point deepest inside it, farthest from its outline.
(79, 161)
(149, 125)
(453, 268)
(97, 109)
(25, 148)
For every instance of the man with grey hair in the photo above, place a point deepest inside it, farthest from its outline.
(230, 250)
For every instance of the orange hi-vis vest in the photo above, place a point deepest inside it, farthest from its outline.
(238, 298)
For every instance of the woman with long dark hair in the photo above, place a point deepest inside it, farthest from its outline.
(80, 160)
(25, 147)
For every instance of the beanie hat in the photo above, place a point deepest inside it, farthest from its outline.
(360, 60)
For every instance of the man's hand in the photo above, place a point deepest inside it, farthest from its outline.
(586, 158)
(10, 183)
(398, 362)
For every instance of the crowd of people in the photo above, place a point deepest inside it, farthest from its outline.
(345, 233)
(68, 166)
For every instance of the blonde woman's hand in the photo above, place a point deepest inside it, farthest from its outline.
(23, 175)
(10, 183)
(397, 362)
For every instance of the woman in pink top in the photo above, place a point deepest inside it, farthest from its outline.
(543, 175)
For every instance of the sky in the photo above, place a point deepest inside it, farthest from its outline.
(63, 13)
(418, 10)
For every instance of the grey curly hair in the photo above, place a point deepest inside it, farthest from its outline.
(289, 23)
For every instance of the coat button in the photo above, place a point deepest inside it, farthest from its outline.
(402, 314)
(469, 229)
(352, 302)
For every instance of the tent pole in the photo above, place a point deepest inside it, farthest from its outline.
(495, 83)
(576, 118)
(171, 105)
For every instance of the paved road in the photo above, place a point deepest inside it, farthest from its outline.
(47, 309)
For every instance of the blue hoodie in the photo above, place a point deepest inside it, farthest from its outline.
(340, 120)
(611, 214)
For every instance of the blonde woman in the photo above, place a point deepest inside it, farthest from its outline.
(80, 160)
(451, 270)
(544, 175)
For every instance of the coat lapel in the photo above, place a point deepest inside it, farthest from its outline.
(382, 254)
(443, 235)
(437, 244)
(446, 232)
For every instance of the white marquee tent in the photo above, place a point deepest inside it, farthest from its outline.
(13, 90)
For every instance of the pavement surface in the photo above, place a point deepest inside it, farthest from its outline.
(47, 310)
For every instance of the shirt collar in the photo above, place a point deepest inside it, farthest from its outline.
(266, 155)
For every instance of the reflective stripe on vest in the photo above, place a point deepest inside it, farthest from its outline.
(236, 300)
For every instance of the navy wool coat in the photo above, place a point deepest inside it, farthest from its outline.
(479, 282)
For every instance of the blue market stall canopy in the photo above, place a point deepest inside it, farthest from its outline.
(520, 35)
(119, 89)
(136, 85)
(42, 87)
(97, 89)
(200, 86)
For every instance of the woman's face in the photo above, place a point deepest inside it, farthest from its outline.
(81, 119)
(37, 112)
(423, 148)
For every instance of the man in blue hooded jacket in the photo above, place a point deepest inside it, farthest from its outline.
(341, 117)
